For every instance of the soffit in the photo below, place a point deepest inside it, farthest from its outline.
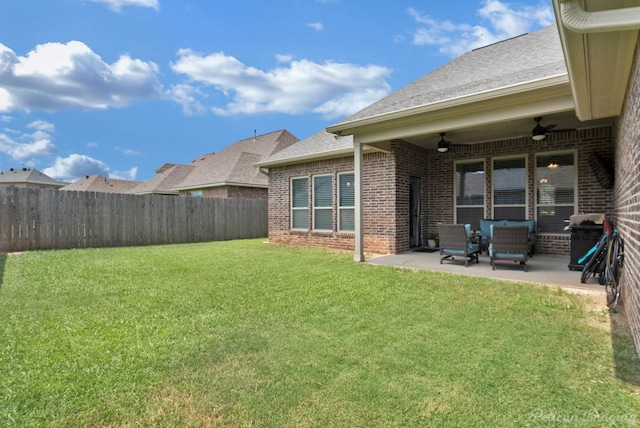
(599, 63)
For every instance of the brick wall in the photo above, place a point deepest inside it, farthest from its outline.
(379, 204)
(591, 196)
(627, 198)
(386, 185)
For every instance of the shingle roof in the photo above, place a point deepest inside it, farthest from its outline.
(519, 60)
(27, 176)
(168, 176)
(235, 163)
(318, 145)
(99, 183)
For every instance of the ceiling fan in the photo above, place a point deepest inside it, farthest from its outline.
(443, 145)
(540, 132)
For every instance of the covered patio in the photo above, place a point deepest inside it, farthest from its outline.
(547, 270)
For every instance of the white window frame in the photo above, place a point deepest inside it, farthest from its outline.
(455, 187)
(316, 209)
(574, 153)
(526, 187)
(292, 208)
(346, 207)
(196, 194)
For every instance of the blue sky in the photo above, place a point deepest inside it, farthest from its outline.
(120, 87)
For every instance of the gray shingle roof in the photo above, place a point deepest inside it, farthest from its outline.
(167, 177)
(99, 183)
(519, 60)
(27, 176)
(318, 145)
(235, 163)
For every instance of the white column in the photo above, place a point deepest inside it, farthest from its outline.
(357, 173)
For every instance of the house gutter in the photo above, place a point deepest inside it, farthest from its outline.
(576, 19)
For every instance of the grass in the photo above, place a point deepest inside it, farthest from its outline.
(246, 334)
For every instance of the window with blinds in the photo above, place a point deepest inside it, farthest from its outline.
(323, 202)
(510, 188)
(469, 193)
(555, 191)
(300, 203)
(346, 202)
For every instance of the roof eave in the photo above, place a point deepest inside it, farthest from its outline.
(599, 48)
(348, 128)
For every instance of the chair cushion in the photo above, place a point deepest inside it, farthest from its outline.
(485, 226)
(531, 224)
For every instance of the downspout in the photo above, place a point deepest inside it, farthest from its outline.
(576, 19)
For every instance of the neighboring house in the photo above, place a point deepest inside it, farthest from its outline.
(28, 178)
(583, 75)
(168, 176)
(230, 173)
(100, 183)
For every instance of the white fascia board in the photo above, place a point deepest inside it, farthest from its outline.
(549, 100)
(347, 128)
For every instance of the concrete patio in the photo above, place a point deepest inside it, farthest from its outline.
(548, 270)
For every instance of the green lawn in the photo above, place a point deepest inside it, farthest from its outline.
(250, 334)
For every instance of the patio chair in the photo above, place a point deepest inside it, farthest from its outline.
(455, 241)
(509, 243)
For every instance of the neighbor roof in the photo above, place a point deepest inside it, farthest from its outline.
(99, 183)
(234, 165)
(516, 61)
(168, 176)
(27, 176)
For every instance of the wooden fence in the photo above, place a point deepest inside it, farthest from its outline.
(39, 219)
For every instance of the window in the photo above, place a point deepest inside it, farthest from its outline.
(300, 203)
(510, 188)
(469, 191)
(346, 202)
(195, 194)
(323, 202)
(555, 190)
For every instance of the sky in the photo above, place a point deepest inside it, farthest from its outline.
(121, 87)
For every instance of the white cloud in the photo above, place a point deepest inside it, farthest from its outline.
(125, 175)
(503, 21)
(70, 75)
(27, 146)
(118, 4)
(298, 87)
(284, 57)
(42, 125)
(187, 96)
(74, 167)
(316, 26)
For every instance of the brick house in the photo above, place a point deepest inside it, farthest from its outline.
(230, 173)
(387, 176)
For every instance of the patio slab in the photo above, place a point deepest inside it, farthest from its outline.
(548, 270)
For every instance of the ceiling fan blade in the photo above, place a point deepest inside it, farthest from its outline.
(549, 127)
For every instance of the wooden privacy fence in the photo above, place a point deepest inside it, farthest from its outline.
(40, 219)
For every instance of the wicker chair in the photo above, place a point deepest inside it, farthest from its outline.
(509, 243)
(455, 240)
